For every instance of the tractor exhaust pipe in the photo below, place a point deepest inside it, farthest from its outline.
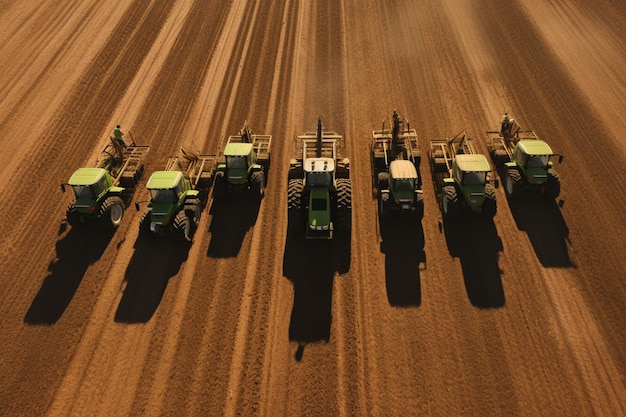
(318, 151)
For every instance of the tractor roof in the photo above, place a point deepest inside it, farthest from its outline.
(534, 147)
(402, 169)
(472, 163)
(319, 165)
(87, 176)
(164, 180)
(238, 149)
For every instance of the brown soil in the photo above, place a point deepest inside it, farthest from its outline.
(523, 315)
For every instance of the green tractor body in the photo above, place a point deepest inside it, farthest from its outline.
(469, 178)
(319, 184)
(395, 157)
(244, 164)
(525, 159)
(240, 167)
(462, 177)
(319, 187)
(95, 197)
(173, 206)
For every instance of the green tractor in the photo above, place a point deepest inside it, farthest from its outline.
(96, 198)
(244, 164)
(395, 157)
(531, 169)
(463, 177)
(175, 203)
(526, 160)
(319, 187)
(102, 193)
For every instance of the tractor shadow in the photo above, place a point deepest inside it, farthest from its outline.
(154, 261)
(311, 266)
(75, 252)
(546, 228)
(475, 241)
(232, 217)
(403, 246)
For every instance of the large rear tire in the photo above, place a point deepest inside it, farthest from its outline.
(294, 204)
(344, 205)
(112, 211)
(450, 202)
(512, 183)
(553, 184)
(490, 207)
(219, 186)
(73, 216)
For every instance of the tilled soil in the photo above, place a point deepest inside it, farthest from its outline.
(520, 315)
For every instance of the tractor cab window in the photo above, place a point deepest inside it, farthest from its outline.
(164, 196)
(84, 192)
(522, 157)
(319, 179)
(404, 184)
(100, 186)
(236, 162)
(538, 161)
(180, 189)
(474, 178)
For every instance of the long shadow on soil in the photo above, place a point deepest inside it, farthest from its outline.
(154, 262)
(475, 241)
(403, 246)
(76, 251)
(547, 231)
(232, 217)
(311, 266)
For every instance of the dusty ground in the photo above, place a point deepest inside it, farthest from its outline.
(523, 316)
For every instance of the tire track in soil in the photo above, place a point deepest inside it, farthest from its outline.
(36, 238)
(95, 342)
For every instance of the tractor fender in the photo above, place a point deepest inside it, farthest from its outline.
(449, 181)
(191, 194)
(116, 190)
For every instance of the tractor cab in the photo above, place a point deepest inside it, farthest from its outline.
(403, 181)
(167, 190)
(470, 173)
(239, 158)
(90, 185)
(533, 157)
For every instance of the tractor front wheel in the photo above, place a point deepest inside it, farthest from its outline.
(512, 183)
(112, 210)
(489, 203)
(450, 201)
(553, 185)
(73, 216)
(344, 205)
(144, 224)
(294, 204)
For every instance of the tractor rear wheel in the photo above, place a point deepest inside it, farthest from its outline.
(112, 210)
(73, 216)
(512, 183)
(553, 184)
(193, 210)
(344, 205)
(450, 201)
(257, 184)
(294, 204)
(489, 203)
(182, 226)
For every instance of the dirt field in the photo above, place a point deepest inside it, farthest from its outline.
(520, 316)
